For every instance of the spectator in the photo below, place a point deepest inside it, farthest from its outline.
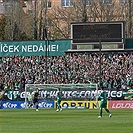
(72, 68)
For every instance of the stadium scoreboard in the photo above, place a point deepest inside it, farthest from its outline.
(93, 33)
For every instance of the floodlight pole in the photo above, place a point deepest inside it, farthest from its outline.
(46, 54)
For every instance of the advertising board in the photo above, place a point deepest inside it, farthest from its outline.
(22, 104)
(121, 104)
(79, 104)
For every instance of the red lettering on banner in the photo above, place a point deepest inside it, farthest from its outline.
(121, 104)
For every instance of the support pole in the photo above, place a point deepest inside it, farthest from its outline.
(100, 47)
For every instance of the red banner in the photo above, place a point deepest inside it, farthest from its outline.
(120, 104)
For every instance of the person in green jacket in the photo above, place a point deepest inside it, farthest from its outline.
(59, 98)
(103, 103)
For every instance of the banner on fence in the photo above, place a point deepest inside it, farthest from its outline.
(68, 94)
(34, 48)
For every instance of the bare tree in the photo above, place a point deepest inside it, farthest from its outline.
(2, 27)
(97, 11)
(13, 21)
(42, 23)
(39, 18)
(61, 18)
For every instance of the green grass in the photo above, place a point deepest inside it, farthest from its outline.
(67, 121)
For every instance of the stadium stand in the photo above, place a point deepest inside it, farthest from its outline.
(72, 68)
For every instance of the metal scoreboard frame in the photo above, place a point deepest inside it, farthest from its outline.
(94, 32)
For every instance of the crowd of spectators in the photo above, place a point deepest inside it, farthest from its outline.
(115, 70)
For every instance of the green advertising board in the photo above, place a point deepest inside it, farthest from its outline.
(34, 48)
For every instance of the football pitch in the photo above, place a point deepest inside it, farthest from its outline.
(67, 121)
